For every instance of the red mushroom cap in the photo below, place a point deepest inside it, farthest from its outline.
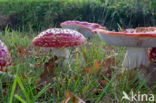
(137, 32)
(5, 60)
(82, 27)
(59, 38)
(85, 25)
(138, 37)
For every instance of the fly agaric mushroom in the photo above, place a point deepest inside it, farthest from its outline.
(5, 60)
(137, 40)
(59, 40)
(85, 28)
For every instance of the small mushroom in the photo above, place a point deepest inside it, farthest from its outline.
(5, 63)
(5, 60)
(59, 40)
(136, 40)
(85, 28)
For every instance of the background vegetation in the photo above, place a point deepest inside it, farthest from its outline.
(38, 14)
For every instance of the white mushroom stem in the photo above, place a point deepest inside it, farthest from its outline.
(61, 52)
(135, 57)
(64, 53)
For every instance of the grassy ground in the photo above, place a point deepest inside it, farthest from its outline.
(95, 69)
(93, 74)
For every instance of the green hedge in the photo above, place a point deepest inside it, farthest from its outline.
(111, 13)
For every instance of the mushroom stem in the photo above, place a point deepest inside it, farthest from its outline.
(135, 57)
(61, 52)
(63, 55)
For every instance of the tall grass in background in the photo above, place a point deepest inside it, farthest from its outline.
(41, 14)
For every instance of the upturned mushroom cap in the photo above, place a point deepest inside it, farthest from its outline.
(5, 60)
(85, 28)
(138, 37)
(59, 38)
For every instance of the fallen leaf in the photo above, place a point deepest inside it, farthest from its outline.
(21, 50)
(94, 69)
(68, 94)
(48, 73)
(107, 66)
(110, 60)
(103, 83)
(71, 97)
(96, 66)
(76, 99)
(88, 70)
(66, 100)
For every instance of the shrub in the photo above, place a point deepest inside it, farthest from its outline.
(113, 13)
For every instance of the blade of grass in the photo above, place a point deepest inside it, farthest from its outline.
(20, 99)
(119, 26)
(41, 92)
(13, 90)
(105, 89)
(23, 90)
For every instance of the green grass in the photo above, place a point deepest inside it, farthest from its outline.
(24, 0)
(42, 14)
(28, 67)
